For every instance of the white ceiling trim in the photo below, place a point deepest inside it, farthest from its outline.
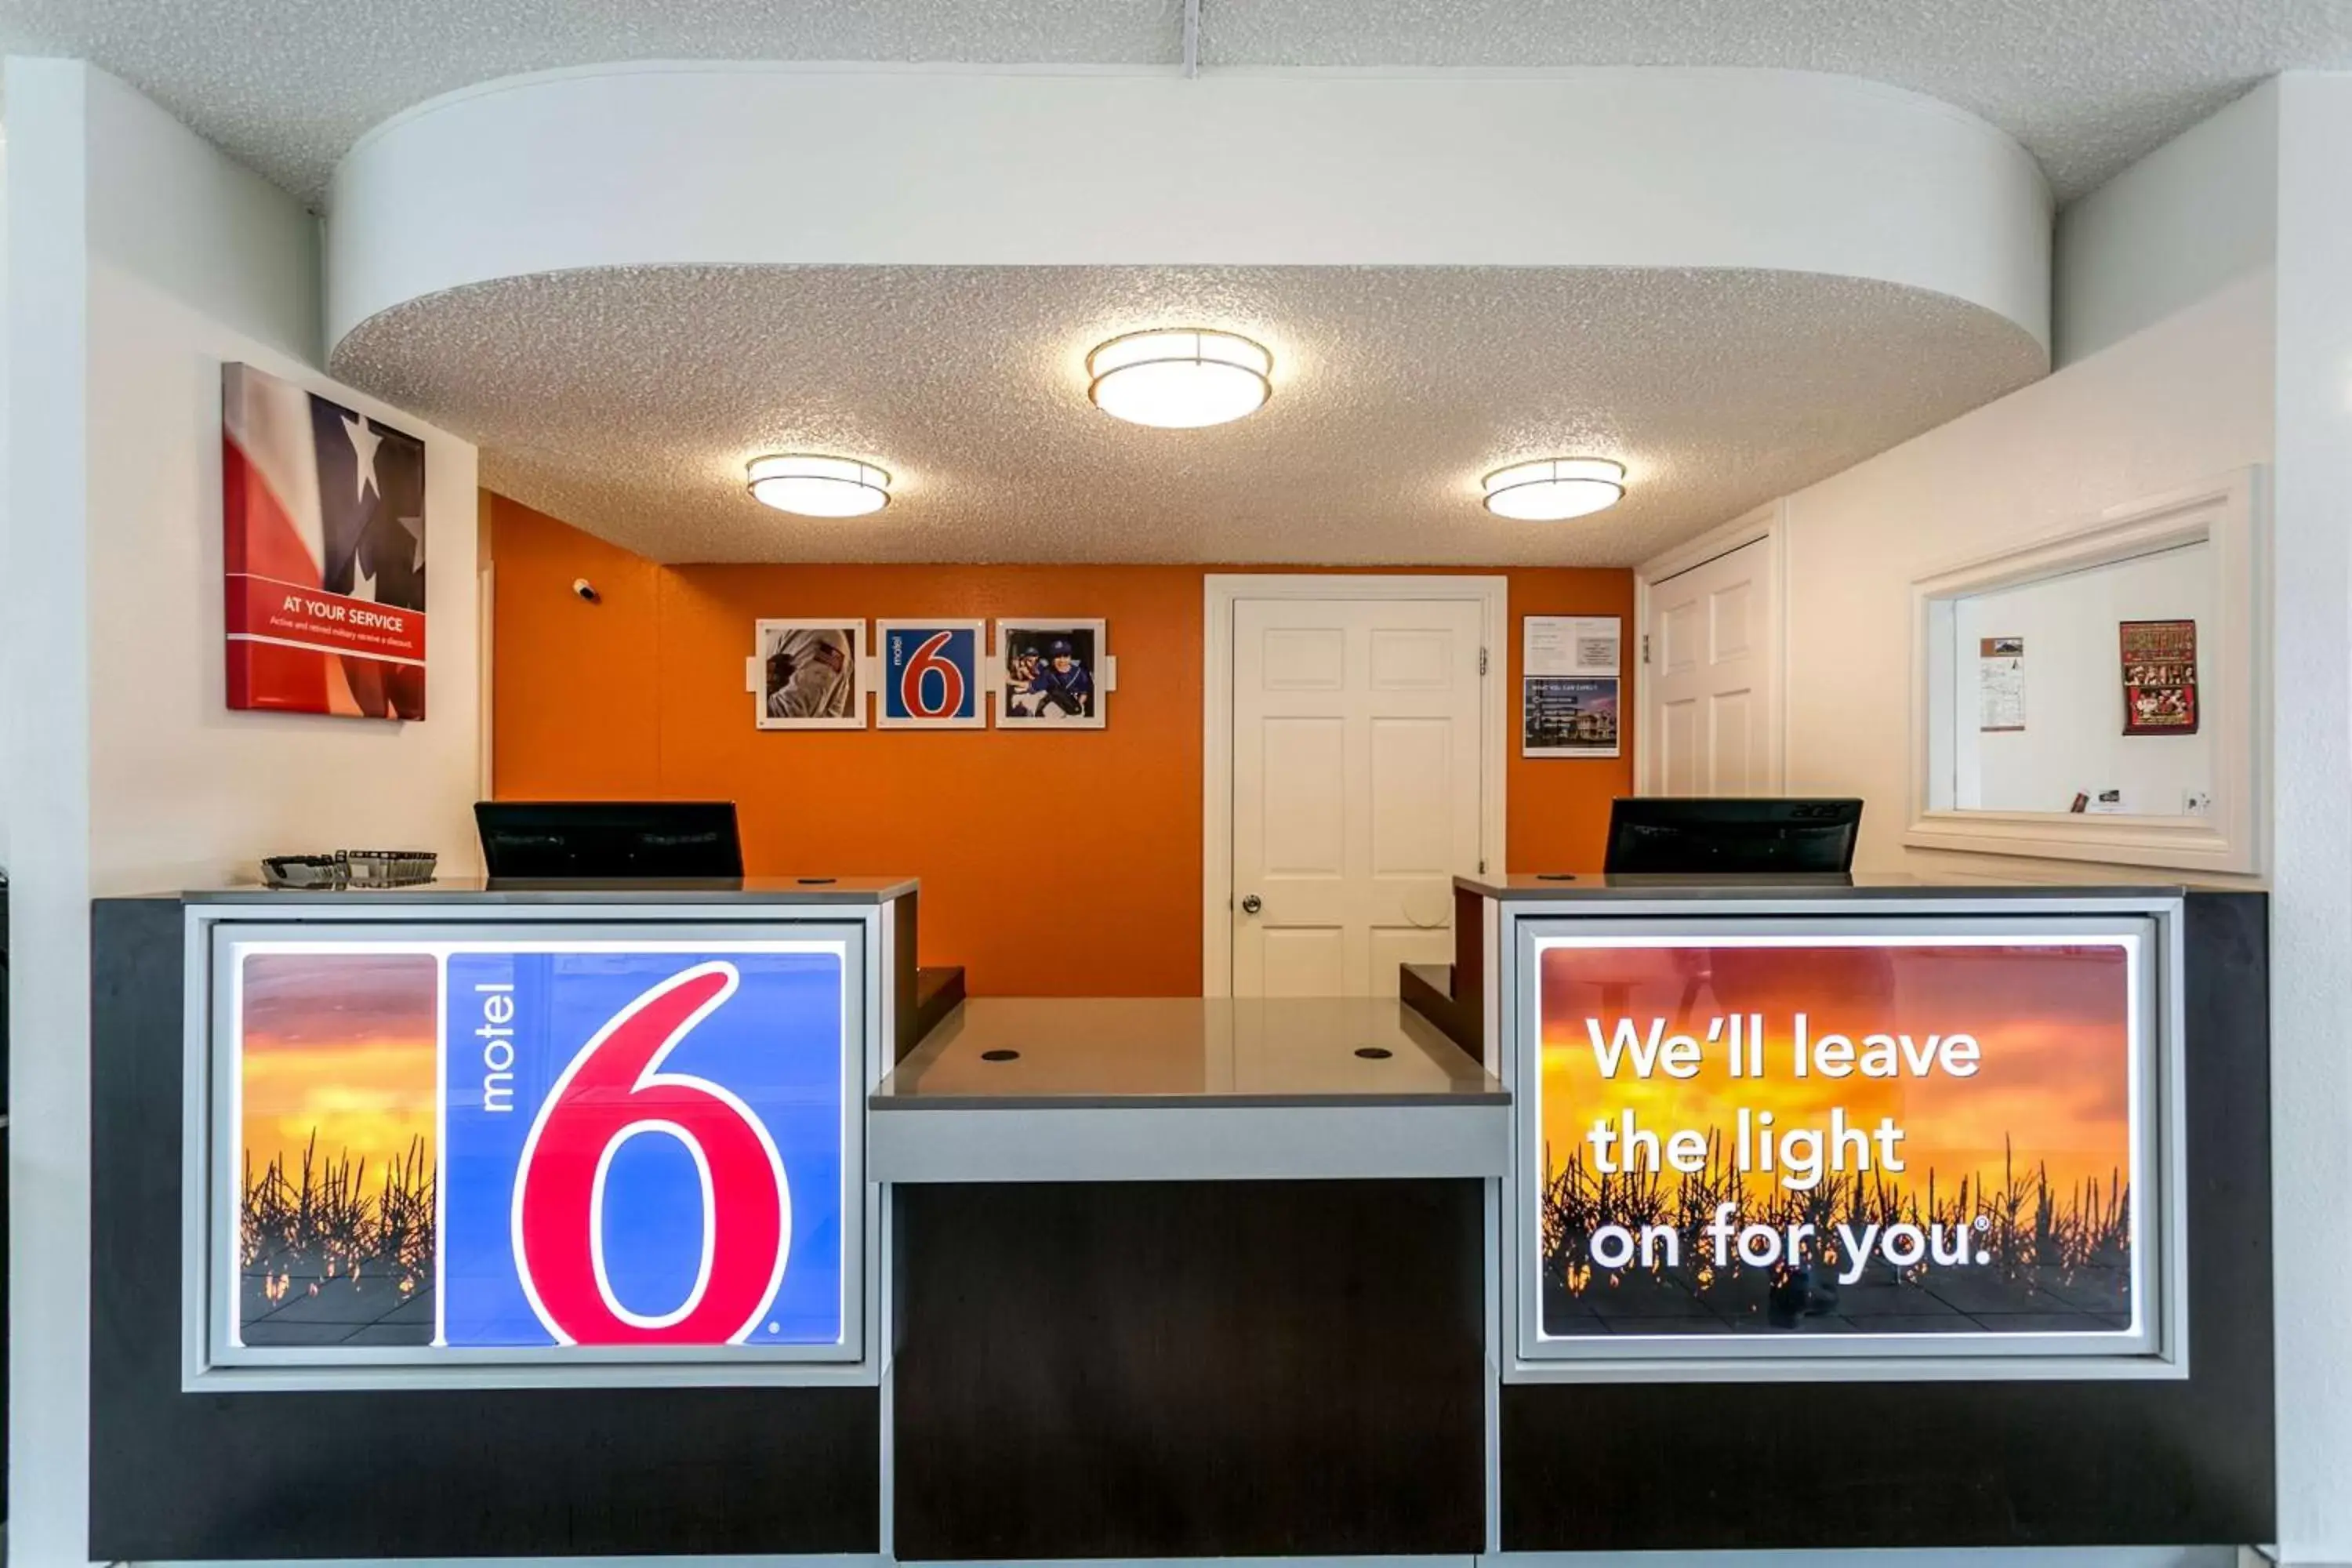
(1614, 167)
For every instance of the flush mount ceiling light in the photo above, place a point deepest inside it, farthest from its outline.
(1180, 378)
(1554, 488)
(818, 487)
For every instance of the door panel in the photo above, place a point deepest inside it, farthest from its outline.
(1727, 611)
(1304, 790)
(1411, 769)
(1678, 637)
(1679, 752)
(1730, 722)
(1356, 788)
(1714, 665)
(1304, 659)
(1305, 961)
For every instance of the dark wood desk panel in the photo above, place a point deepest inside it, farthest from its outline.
(1189, 1369)
(396, 1473)
(1698, 1466)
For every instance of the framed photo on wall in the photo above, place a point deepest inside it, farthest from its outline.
(929, 673)
(1052, 673)
(323, 533)
(806, 673)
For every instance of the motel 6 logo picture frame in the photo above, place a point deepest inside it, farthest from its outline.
(930, 674)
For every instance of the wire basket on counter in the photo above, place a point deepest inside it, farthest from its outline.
(351, 869)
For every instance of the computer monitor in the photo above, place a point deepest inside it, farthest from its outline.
(1657, 835)
(553, 840)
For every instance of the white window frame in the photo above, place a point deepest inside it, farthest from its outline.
(2225, 512)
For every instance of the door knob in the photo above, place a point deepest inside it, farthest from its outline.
(1251, 904)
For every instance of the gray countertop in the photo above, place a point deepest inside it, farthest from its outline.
(474, 889)
(1166, 1051)
(1586, 886)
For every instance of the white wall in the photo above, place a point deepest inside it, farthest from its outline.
(139, 259)
(2311, 911)
(2258, 369)
(196, 263)
(2165, 408)
(2170, 230)
(2073, 741)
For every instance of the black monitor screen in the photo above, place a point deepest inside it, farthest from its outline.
(1654, 835)
(553, 839)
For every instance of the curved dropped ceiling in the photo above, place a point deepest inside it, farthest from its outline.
(622, 282)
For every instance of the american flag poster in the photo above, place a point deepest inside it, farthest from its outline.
(324, 510)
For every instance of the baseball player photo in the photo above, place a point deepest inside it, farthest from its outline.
(806, 675)
(1051, 674)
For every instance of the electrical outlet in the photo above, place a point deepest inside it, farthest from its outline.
(2197, 803)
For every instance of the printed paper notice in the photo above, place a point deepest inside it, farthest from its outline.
(1568, 686)
(1570, 644)
(2001, 684)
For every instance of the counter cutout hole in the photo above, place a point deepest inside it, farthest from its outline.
(1374, 1053)
(1000, 1055)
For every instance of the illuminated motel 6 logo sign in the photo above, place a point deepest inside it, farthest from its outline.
(613, 1091)
(625, 1136)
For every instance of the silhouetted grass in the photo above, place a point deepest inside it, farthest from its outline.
(324, 1222)
(2037, 1235)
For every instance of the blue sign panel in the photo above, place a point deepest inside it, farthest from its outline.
(643, 1148)
(930, 674)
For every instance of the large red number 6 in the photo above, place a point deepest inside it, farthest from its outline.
(926, 659)
(612, 1091)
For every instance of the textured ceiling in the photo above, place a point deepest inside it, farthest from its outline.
(626, 401)
(2086, 85)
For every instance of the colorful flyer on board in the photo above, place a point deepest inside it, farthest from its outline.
(2159, 677)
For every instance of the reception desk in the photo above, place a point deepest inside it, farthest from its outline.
(575, 1220)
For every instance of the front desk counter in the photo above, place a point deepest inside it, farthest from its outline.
(385, 1400)
(1178, 1277)
(2071, 1347)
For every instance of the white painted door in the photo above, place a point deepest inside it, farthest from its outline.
(1713, 662)
(1356, 789)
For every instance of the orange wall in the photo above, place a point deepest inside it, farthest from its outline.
(1054, 863)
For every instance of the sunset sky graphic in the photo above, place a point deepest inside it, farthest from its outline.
(342, 1043)
(2052, 1021)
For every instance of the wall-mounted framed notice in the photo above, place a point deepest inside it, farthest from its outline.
(930, 674)
(1052, 673)
(1938, 1146)
(807, 674)
(1570, 682)
(323, 515)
